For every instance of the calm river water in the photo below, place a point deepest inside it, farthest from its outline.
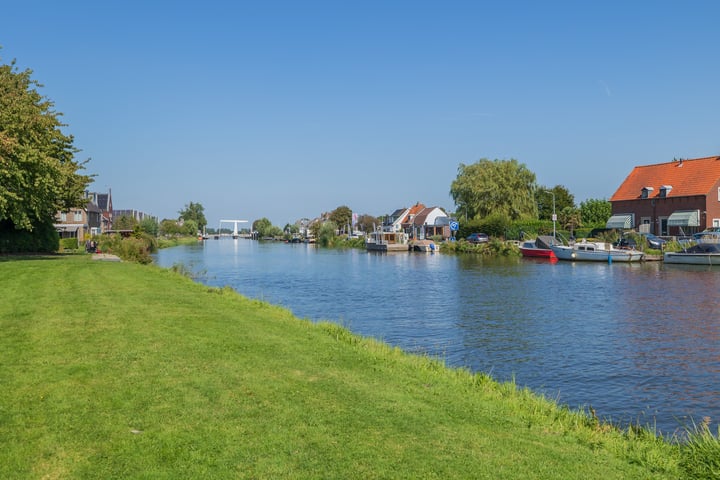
(640, 343)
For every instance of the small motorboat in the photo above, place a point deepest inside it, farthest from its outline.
(539, 247)
(700, 254)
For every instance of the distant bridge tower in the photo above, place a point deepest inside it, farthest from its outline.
(235, 233)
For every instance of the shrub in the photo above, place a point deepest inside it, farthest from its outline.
(68, 244)
(326, 235)
(136, 248)
(42, 239)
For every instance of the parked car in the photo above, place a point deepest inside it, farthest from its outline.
(654, 241)
(625, 243)
(478, 238)
(709, 230)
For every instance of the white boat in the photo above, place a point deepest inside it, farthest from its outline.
(596, 252)
(422, 246)
(700, 254)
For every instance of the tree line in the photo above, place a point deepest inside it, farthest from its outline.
(40, 175)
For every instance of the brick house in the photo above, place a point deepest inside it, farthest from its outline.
(674, 198)
(93, 219)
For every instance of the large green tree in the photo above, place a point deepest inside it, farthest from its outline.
(595, 211)
(39, 175)
(263, 227)
(495, 186)
(559, 195)
(194, 212)
(341, 216)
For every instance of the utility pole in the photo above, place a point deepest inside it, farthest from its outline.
(554, 216)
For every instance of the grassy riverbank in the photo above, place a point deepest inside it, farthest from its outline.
(116, 370)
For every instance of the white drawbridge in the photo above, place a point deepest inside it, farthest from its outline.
(235, 233)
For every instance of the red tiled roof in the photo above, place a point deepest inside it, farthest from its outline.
(414, 210)
(686, 177)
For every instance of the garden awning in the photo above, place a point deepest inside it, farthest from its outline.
(621, 220)
(684, 218)
(67, 227)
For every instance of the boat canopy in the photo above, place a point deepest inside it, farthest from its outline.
(704, 248)
(620, 220)
(684, 218)
(545, 241)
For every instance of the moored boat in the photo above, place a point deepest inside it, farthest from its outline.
(595, 252)
(380, 241)
(422, 246)
(539, 247)
(700, 254)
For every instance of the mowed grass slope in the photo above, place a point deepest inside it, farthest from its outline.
(115, 370)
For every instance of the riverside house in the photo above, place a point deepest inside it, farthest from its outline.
(418, 221)
(674, 198)
(93, 219)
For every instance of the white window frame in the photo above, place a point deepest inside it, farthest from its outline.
(78, 215)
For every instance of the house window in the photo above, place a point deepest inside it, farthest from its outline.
(665, 190)
(716, 222)
(718, 194)
(78, 215)
(63, 217)
(646, 191)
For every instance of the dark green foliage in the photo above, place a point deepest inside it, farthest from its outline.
(194, 212)
(529, 229)
(559, 194)
(42, 239)
(494, 247)
(341, 216)
(495, 225)
(38, 173)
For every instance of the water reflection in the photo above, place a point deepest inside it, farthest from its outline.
(638, 342)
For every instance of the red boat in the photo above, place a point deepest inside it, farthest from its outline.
(539, 247)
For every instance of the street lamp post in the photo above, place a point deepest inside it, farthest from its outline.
(554, 216)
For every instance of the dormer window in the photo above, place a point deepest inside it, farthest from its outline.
(646, 191)
(665, 190)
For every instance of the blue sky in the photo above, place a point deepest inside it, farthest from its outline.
(286, 109)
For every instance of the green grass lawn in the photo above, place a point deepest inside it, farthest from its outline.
(116, 370)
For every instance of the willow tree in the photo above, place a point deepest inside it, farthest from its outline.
(39, 175)
(503, 187)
